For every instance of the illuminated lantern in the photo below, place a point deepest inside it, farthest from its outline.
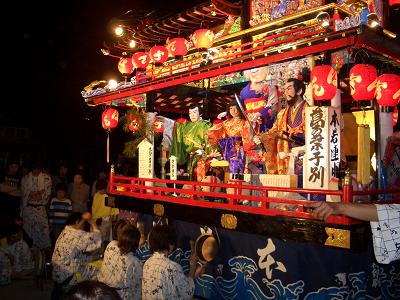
(109, 118)
(140, 60)
(394, 2)
(178, 46)
(182, 121)
(323, 82)
(203, 38)
(158, 125)
(158, 54)
(125, 66)
(134, 123)
(363, 82)
(387, 91)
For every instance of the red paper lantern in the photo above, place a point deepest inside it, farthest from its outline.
(182, 121)
(394, 2)
(203, 38)
(324, 83)
(140, 60)
(158, 54)
(125, 66)
(387, 91)
(109, 118)
(158, 125)
(363, 82)
(134, 123)
(178, 46)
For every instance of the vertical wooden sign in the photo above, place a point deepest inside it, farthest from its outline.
(146, 160)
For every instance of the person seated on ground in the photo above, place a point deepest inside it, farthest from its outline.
(121, 224)
(18, 220)
(162, 277)
(103, 214)
(121, 269)
(384, 220)
(70, 253)
(91, 290)
(18, 254)
(59, 211)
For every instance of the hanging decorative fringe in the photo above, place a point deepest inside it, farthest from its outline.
(363, 159)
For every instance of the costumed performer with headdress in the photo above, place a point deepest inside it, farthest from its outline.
(189, 141)
(231, 136)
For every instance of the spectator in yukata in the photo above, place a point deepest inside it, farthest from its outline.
(162, 277)
(36, 190)
(72, 252)
(121, 269)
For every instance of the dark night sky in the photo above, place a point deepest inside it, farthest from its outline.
(61, 54)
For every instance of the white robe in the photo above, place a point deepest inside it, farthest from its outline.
(122, 271)
(34, 210)
(386, 233)
(69, 257)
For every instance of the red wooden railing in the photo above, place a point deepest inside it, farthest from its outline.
(192, 194)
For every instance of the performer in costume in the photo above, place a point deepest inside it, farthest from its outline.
(260, 98)
(288, 129)
(231, 136)
(189, 142)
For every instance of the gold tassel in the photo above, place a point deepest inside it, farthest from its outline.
(363, 159)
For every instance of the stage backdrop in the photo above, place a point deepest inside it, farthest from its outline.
(258, 267)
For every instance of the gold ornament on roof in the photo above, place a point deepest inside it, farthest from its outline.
(93, 84)
(355, 5)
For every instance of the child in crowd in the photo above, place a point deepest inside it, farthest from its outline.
(59, 211)
(16, 260)
(101, 213)
(100, 175)
(78, 192)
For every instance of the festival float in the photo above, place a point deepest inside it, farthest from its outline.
(236, 183)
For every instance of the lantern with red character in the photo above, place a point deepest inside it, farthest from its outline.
(203, 38)
(178, 46)
(109, 120)
(125, 66)
(158, 54)
(323, 82)
(158, 125)
(140, 60)
(363, 82)
(387, 91)
(134, 123)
